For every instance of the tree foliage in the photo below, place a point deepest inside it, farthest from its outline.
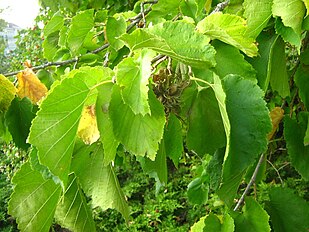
(160, 80)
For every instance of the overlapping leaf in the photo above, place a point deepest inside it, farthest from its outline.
(250, 124)
(7, 93)
(301, 80)
(294, 134)
(54, 129)
(288, 212)
(99, 181)
(214, 224)
(253, 218)
(132, 77)
(257, 14)
(107, 136)
(112, 34)
(230, 29)
(291, 13)
(36, 196)
(178, 40)
(82, 23)
(139, 134)
(73, 212)
(55, 24)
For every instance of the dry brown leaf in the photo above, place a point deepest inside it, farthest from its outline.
(30, 86)
(87, 128)
(276, 116)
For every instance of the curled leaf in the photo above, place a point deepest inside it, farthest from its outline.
(30, 86)
(276, 116)
(88, 128)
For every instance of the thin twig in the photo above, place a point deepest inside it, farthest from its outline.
(220, 7)
(276, 170)
(251, 182)
(135, 20)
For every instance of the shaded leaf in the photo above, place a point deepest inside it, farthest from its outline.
(230, 29)
(173, 139)
(50, 46)
(98, 181)
(54, 129)
(276, 115)
(198, 189)
(19, 117)
(34, 200)
(214, 224)
(250, 124)
(206, 130)
(30, 86)
(73, 212)
(139, 134)
(257, 14)
(301, 80)
(288, 212)
(132, 77)
(81, 24)
(7, 93)
(294, 133)
(253, 218)
(231, 61)
(169, 38)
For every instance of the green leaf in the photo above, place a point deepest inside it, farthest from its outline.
(54, 129)
(18, 118)
(81, 24)
(206, 130)
(199, 225)
(301, 80)
(98, 181)
(34, 200)
(230, 29)
(214, 168)
(173, 140)
(250, 124)
(198, 189)
(55, 24)
(169, 39)
(139, 134)
(253, 218)
(214, 224)
(157, 168)
(294, 134)
(231, 61)
(132, 77)
(257, 14)
(288, 34)
(7, 93)
(288, 212)
(291, 13)
(50, 45)
(107, 136)
(163, 9)
(279, 80)
(115, 27)
(72, 211)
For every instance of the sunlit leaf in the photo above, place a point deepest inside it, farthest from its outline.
(36, 196)
(169, 39)
(112, 34)
(139, 134)
(30, 86)
(73, 212)
(7, 93)
(214, 224)
(230, 29)
(54, 129)
(87, 128)
(55, 24)
(98, 181)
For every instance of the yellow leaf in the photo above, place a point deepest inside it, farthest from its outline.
(7, 93)
(276, 116)
(30, 86)
(87, 128)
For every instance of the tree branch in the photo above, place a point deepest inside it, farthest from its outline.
(135, 20)
(251, 182)
(221, 6)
